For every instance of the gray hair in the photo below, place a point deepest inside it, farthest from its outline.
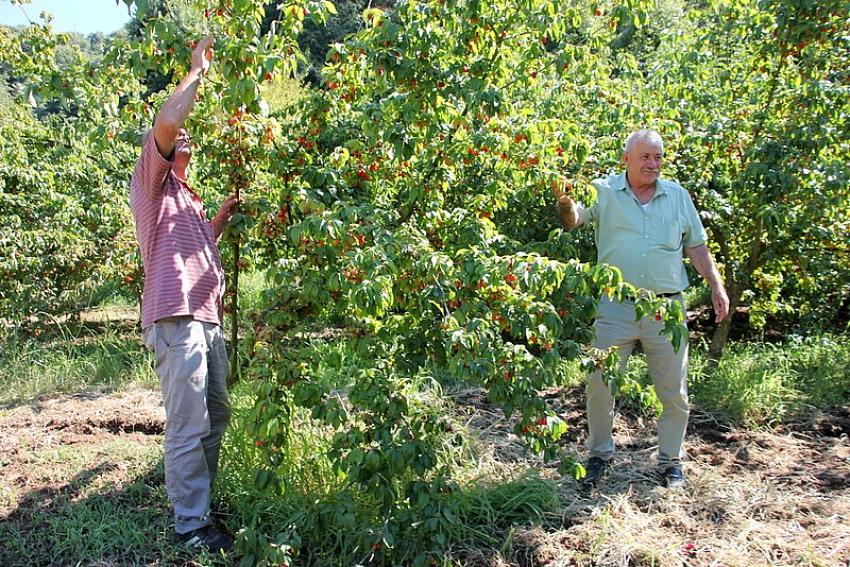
(650, 136)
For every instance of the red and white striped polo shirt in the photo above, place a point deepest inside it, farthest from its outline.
(183, 274)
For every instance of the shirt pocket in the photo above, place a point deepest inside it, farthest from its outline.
(667, 232)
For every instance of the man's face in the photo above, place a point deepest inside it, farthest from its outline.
(183, 146)
(643, 163)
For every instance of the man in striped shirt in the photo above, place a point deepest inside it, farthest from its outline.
(182, 308)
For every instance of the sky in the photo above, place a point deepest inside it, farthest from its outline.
(82, 16)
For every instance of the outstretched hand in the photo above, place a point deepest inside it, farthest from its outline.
(202, 55)
(560, 195)
(567, 210)
(222, 217)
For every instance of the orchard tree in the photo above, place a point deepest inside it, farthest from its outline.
(316, 38)
(413, 207)
(757, 103)
(62, 178)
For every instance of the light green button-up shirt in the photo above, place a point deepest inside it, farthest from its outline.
(645, 242)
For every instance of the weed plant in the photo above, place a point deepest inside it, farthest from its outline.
(313, 508)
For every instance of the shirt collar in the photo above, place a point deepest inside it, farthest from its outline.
(619, 183)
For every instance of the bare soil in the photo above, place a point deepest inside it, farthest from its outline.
(779, 497)
(82, 422)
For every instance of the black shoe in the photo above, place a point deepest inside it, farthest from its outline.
(207, 538)
(673, 477)
(594, 470)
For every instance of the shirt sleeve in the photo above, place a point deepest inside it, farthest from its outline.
(694, 233)
(151, 169)
(588, 215)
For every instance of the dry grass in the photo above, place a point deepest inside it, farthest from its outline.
(767, 498)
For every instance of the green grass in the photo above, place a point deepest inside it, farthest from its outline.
(763, 384)
(756, 384)
(488, 510)
(96, 512)
(70, 361)
(104, 499)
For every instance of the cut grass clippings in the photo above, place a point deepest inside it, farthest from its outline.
(81, 473)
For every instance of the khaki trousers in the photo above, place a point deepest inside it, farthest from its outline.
(616, 326)
(192, 366)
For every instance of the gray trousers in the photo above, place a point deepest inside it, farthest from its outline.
(615, 326)
(192, 366)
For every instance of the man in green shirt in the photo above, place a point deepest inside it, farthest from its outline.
(643, 225)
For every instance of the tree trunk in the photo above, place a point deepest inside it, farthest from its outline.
(721, 333)
(234, 316)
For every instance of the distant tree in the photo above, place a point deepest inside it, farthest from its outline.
(156, 8)
(316, 38)
(62, 177)
(97, 43)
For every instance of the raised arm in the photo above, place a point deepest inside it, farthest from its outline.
(178, 106)
(704, 264)
(567, 209)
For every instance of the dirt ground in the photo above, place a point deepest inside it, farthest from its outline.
(76, 423)
(778, 497)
